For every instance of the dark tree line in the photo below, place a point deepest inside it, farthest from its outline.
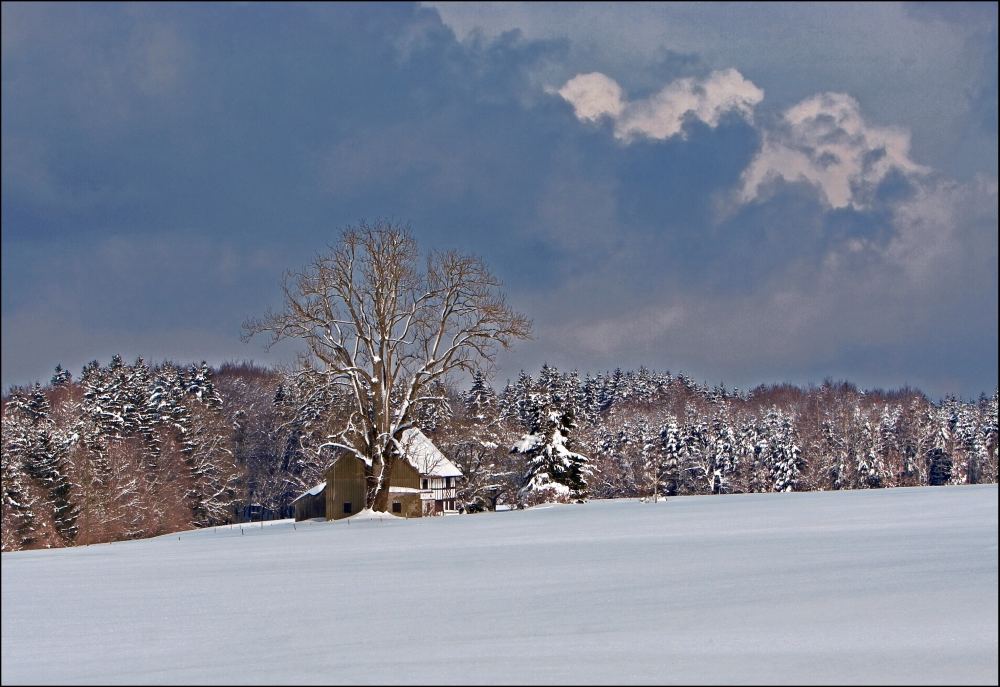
(130, 450)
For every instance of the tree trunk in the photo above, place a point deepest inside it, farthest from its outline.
(378, 496)
(381, 500)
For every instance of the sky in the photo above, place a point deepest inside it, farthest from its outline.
(748, 193)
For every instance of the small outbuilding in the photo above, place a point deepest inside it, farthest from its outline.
(311, 504)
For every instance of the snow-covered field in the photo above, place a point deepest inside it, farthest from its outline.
(894, 586)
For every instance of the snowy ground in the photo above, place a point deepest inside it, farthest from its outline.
(896, 586)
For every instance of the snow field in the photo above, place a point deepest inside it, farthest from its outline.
(894, 585)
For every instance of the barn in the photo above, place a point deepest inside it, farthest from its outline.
(425, 483)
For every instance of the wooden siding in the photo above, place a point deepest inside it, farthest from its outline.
(345, 483)
(311, 506)
(404, 475)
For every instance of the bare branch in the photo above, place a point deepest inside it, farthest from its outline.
(375, 324)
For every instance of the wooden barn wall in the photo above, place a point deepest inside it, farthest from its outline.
(345, 483)
(311, 506)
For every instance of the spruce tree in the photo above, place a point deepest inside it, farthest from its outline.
(61, 377)
(784, 455)
(43, 451)
(673, 450)
(19, 504)
(481, 401)
(553, 469)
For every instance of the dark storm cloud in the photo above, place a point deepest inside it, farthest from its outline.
(163, 164)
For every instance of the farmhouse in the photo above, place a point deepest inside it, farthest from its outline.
(423, 484)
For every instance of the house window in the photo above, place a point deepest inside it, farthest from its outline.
(347, 506)
(397, 507)
(425, 484)
(447, 481)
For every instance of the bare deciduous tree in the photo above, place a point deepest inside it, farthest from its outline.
(385, 331)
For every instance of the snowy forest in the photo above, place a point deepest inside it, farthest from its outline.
(132, 450)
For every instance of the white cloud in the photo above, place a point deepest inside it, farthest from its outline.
(662, 115)
(825, 142)
(593, 96)
(904, 64)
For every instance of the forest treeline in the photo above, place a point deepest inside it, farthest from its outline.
(128, 450)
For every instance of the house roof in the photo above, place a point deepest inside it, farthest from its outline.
(420, 452)
(426, 457)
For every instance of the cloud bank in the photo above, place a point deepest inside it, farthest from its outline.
(163, 164)
(825, 142)
(662, 115)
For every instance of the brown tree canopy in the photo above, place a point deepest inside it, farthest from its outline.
(384, 330)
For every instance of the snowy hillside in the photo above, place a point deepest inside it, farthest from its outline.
(892, 585)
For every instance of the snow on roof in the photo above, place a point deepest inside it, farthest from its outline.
(425, 456)
(422, 454)
(312, 492)
(406, 490)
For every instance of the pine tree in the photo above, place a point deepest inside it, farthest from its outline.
(784, 455)
(553, 469)
(434, 410)
(870, 467)
(612, 389)
(643, 387)
(969, 469)
(651, 458)
(587, 401)
(61, 377)
(524, 400)
(550, 382)
(620, 465)
(572, 395)
(169, 392)
(481, 401)
(836, 455)
(143, 414)
(200, 385)
(19, 504)
(674, 451)
(43, 452)
(724, 461)
(988, 425)
(507, 404)
(938, 457)
(754, 454)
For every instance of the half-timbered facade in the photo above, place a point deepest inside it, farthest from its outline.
(438, 475)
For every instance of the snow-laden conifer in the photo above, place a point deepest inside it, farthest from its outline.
(553, 471)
